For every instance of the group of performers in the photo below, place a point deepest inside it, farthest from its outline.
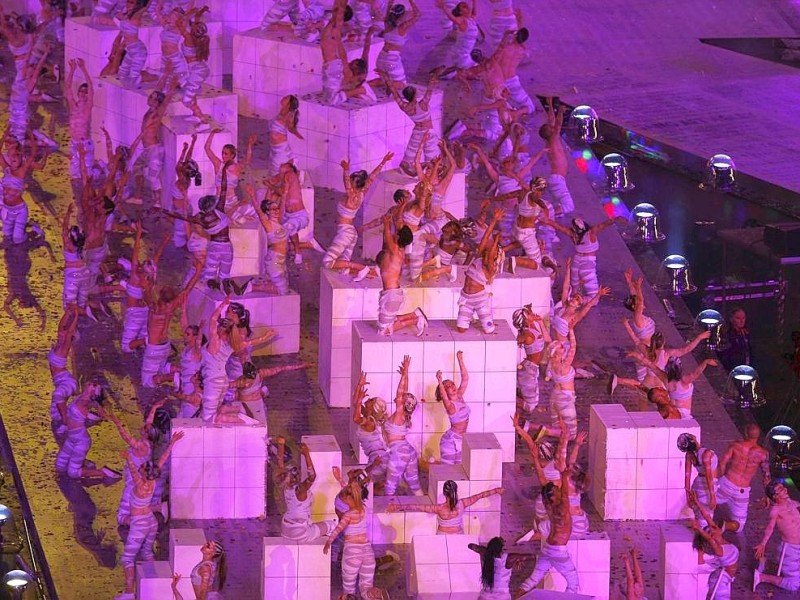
(214, 377)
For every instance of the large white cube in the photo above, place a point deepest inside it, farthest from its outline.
(482, 456)
(293, 570)
(218, 471)
(636, 470)
(361, 133)
(380, 199)
(92, 43)
(491, 393)
(325, 454)
(679, 576)
(442, 565)
(343, 301)
(270, 65)
(281, 313)
(591, 554)
(235, 16)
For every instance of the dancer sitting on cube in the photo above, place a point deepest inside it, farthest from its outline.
(398, 24)
(341, 79)
(196, 52)
(296, 523)
(390, 301)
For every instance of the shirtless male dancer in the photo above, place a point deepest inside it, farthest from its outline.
(80, 117)
(785, 515)
(738, 466)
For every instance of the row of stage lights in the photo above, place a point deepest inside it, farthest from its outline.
(674, 276)
(15, 580)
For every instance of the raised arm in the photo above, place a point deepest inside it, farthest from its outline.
(447, 12)
(487, 235)
(532, 448)
(462, 387)
(708, 362)
(215, 160)
(480, 496)
(65, 224)
(176, 437)
(311, 473)
(402, 386)
(68, 91)
(89, 84)
(377, 170)
(359, 395)
(389, 241)
(486, 162)
(675, 352)
(523, 172)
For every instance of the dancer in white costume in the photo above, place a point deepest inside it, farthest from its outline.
(234, 170)
(716, 553)
(143, 524)
(16, 167)
(555, 534)
(496, 568)
(207, 575)
(398, 24)
(705, 485)
(140, 284)
(583, 272)
(474, 298)
(550, 132)
(356, 185)
(269, 215)
(508, 57)
(296, 523)
(342, 79)
(173, 60)
(358, 557)
(465, 24)
(503, 20)
(80, 117)
(532, 335)
(64, 383)
(402, 455)
(151, 160)
(458, 412)
(643, 327)
(561, 371)
(785, 515)
(423, 136)
(738, 466)
(450, 513)
(196, 52)
(140, 450)
(71, 457)
(77, 277)
(135, 51)
(284, 123)
(369, 414)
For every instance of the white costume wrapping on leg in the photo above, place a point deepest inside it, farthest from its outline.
(332, 78)
(130, 69)
(134, 326)
(450, 448)
(391, 63)
(736, 498)
(562, 402)
(279, 10)
(389, 304)
(557, 186)
(402, 463)
(358, 562)
(583, 275)
(219, 261)
(342, 246)
(478, 304)
(15, 221)
(154, 362)
(197, 73)
(275, 268)
(77, 283)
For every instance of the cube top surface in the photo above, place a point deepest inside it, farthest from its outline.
(438, 331)
(481, 441)
(286, 37)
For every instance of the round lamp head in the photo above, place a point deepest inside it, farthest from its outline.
(780, 440)
(675, 276)
(645, 224)
(743, 387)
(615, 167)
(720, 173)
(17, 579)
(583, 123)
(710, 320)
(5, 514)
